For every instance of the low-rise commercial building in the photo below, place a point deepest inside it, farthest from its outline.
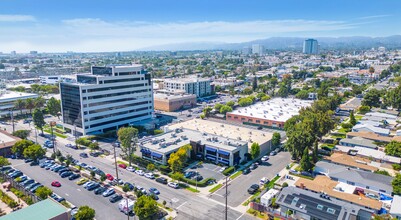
(197, 86)
(263, 138)
(173, 102)
(204, 146)
(7, 141)
(8, 100)
(272, 113)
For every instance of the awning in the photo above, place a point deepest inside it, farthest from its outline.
(157, 155)
(210, 149)
(224, 161)
(210, 158)
(224, 153)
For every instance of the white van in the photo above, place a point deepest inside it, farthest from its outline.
(263, 181)
(126, 206)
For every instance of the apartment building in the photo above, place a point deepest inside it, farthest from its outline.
(108, 98)
(197, 86)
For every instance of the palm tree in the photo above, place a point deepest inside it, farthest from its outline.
(39, 102)
(30, 104)
(20, 105)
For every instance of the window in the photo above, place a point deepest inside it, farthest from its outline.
(382, 190)
(257, 121)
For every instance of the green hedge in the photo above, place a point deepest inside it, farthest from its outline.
(228, 171)
(8, 200)
(202, 183)
(164, 169)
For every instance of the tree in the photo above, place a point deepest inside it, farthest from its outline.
(43, 192)
(265, 98)
(315, 155)
(247, 91)
(30, 104)
(178, 158)
(305, 163)
(150, 167)
(53, 106)
(364, 109)
(23, 134)
(218, 106)
(39, 102)
(4, 161)
(93, 174)
(372, 98)
(230, 103)
(19, 146)
(85, 213)
(34, 152)
(128, 137)
(206, 111)
(145, 207)
(245, 102)
(393, 149)
(276, 139)
(225, 109)
(303, 94)
(397, 184)
(20, 105)
(125, 188)
(371, 70)
(255, 150)
(38, 119)
(382, 172)
(352, 119)
(93, 146)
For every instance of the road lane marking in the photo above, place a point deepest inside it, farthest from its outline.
(240, 216)
(67, 194)
(181, 205)
(79, 190)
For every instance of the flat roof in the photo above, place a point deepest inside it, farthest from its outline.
(277, 109)
(396, 205)
(161, 96)
(326, 185)
(368, 152)
(11, 95)
(172, 140)
(179, 80)
(43, 210)
(226, 130)
(7, 139)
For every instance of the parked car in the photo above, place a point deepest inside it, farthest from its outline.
(93, 186)
(253, 188)
(66, 174)
(116, 197)
(150, 175)
(74, 176)
(33, 189)
(108, 192)
(140, 172)
(84, 155)
(263, 181)
(173, 185)
(273, 153)
(246, 171)
(161, 180)
(27, 182)
(189, 174)
(265, 158)
(131, 169)
(100, 190)
(154, 191)
(121, 165)
(109, 177)
(56, 184)
(197, 177)
(222, 169)
(253, 166)
(21, 179)
(82, 181)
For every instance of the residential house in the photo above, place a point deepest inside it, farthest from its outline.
(358, 141)
(371, 128)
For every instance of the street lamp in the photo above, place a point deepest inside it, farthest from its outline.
(52, 124)
(12, 118)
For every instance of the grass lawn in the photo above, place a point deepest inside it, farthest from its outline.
(338, 135)
(271, 183)
(184, 186)
(122, 162)
(257, 213)
(214, 189)
(165, 207)
(342, 130)
(55, 133)
(235, 175)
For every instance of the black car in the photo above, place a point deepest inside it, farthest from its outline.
(253, 189)
(253, 166)
(84, 155)
(114, 198)
(130, 186)
(63, 170)
(197, 178)
(161, 180)
(99, 190)
(66, 174)
(246, 171)
(94, 154)
(74, 176)
(100, 172)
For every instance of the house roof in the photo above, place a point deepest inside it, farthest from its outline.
(396, 206)
(7, 140)
(326, 185)
(314, 205)
(351, 161)
(371, 128)
(369, 135)
(359, 141)
(368, 152)
(43, 210)
(357, 176)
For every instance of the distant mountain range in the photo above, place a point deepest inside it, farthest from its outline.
(295, 43)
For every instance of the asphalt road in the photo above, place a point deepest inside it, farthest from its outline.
(188, 204)
(237, 189)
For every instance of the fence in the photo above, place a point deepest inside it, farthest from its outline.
(15, 184)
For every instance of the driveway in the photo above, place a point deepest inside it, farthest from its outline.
(237, 189)
(208, 170)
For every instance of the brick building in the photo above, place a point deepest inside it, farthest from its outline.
(173, 102)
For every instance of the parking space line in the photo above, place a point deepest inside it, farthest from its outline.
(240, 216)
(79, 190)
(18, 164)
(67, 194)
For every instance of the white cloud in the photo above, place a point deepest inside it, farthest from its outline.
(16, 18)
(94, 34)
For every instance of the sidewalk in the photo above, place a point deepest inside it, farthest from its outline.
(7, 209)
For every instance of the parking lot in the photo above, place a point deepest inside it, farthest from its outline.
(208, 170)
(237, 189)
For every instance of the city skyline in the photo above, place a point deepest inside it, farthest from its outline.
(94, 26)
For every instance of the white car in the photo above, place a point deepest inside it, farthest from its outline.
(131, 169)
(140, 172)
(222, 169)
(265, 158)
(173, 185)
(108, 192)
(150, 175)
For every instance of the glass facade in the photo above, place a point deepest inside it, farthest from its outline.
(70, 97)
(86, 79)
(96, 70)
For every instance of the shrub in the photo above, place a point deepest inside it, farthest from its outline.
(285, 184)
(164, 169)
(157, 131)
(228, 171)
(397, 166)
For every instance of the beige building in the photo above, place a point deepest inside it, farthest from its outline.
(263, 138)
(173, 102)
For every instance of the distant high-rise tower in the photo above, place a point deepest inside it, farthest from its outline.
(246, 50)
(258, 49)
(311, 46)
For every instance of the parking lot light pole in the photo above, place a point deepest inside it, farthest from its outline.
(12, 119)
(52, 124)
(115, 159)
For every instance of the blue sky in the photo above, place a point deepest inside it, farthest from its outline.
(116, 25)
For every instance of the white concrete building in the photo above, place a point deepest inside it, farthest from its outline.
(8, 100)
(57, 79)
(258, 49)
(198, 86)
(109, 98)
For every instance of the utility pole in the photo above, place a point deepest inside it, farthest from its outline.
(12, 118)
(115, 159)
(75, 135)
(226, 197)
(53, 123)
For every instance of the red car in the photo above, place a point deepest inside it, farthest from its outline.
(121, 165)
(56, 184)
(109, 177)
